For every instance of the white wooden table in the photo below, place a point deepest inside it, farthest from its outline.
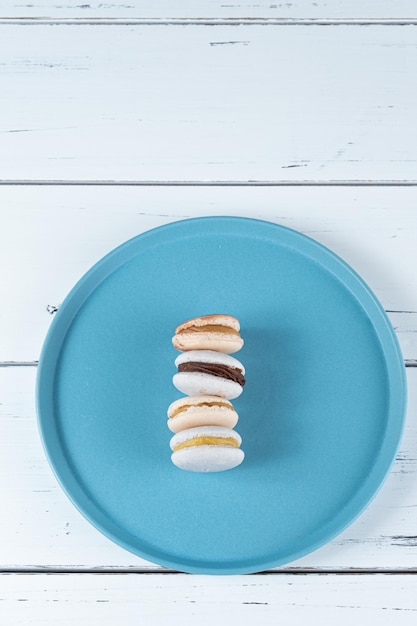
(117, 117)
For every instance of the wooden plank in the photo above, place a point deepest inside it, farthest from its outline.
(42, 530)
(316, 9)
(50, 236)
(91, 599)
(208, 103)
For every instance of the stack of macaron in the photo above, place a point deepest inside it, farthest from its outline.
(203, 420)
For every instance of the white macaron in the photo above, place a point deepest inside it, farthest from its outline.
(206, 449)
(206, 372)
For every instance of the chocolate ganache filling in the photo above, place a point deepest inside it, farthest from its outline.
(215, 369)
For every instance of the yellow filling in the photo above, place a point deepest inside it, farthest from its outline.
(211, 328)
(206, 440)
(208, 404)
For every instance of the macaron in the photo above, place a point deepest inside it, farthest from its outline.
(206, 372)
(193, 411)
(206, 449)
(209, 332)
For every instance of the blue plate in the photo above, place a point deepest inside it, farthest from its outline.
(321, 414)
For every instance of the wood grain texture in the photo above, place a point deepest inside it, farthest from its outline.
(208, 103)
(289, 93)
(315, 9)
(50, 236)
(41, 530)
(90, 600)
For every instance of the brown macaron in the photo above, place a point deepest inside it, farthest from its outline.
(217, 332)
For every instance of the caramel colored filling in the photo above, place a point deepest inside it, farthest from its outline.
(207, 440)
(207, 404)
(211, 328)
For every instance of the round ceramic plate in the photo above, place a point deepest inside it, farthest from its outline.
(321, 414)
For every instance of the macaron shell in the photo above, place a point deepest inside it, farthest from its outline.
(187, 402)
(209, 356)
(208, 458)
(219, 342)
(198, 383)
(203, 416)
(214, 319)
